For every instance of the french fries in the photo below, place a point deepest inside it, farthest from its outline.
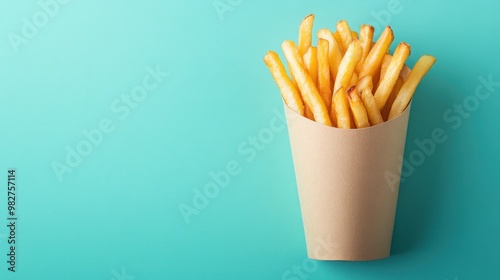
(324, 73)
(404, 96)
(392, 97)
(345, 33)
(290, 93)
(305, 34)
(384, 65)
(377, 52)
(347, 80)
(365, 38)
(357, 108)
(365, 82)
(389, 78)
(347, 65)
(355, 35)
(336, 35)
(371, 107)
(334, 51)
(342, 113)
(310, 59)
(354, 80)
(305, 83)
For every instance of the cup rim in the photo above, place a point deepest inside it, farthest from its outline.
(349, 129)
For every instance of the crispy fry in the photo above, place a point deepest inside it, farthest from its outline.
(387, 82)
(333, 115)
(357, 108)
(289, 92)
(310, 59)
(354, 80)
(374, 58)
(308, 112)
(365, 82)
(345, 33)
(336, 35)
(342, 109)
(410, 85)
(366, 38)
(347, 81)
(311, 63)
(347, 65)
(384, 65)
(305, 34)
(324, 73)
(375, 79)
(305, 83)
(334, 53)
(354, 35)
(388, 105)
(371, 106)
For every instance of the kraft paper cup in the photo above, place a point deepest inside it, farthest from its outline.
(348, 205)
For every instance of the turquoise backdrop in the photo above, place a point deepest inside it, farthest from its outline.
(148, 141)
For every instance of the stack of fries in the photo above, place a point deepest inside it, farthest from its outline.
(346, 81)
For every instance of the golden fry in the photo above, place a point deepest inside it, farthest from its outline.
(355, 35)
(289, 92)
(371, 106)
(353, 81)
(347, 81)
(336, 35)
(305, 83)
(305, 34)
(404, 96)
(358, 110)
(375, 79)
(347, 65)
(342, 109)
(384, 65)
(334, 53)
(387, 82)
(308, 112)
(324, 73)
(374, 57)
(310, 59)
(333, 115)
(365, 38)
(364, 83)
(311, 64)
(345, 33)
(392, 97)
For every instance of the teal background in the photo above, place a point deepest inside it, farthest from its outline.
(116, 215)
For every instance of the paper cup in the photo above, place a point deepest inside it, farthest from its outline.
(348, 205)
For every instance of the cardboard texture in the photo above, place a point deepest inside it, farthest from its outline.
(348, 206)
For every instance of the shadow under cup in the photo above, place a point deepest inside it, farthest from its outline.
(348, 183)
